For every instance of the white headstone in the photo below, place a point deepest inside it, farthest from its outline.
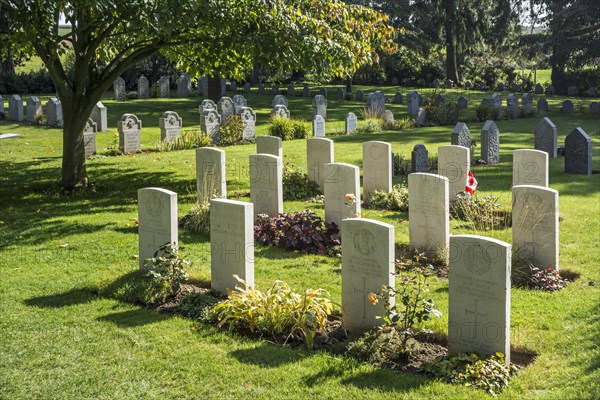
(170, 126)
(318, 126)
(454, 164)
(129, 127)
(367, 265)
(320, 106)
(100, 116)
(54, 115)
(248, 118)
(527, 101)
(266, 188)
(210, 123)
(34, 109)
(388, 117)
(490, 142)
(239, 102)
(164, 87)
(143, 88)
(413, 103)
(351, 122)
(319, 151)
(280, 100)
(530, 167)
(377, 167)
(545, 137)
(157, 220)
(281, 111)
(89, 137)
(341, 182)
(428, 213)
(231, 244)
(207, 104)
(225, 108)
(183, 85)
(269, 145)
(119, 89)
(535, 225)
(479, 296)
(210, 174)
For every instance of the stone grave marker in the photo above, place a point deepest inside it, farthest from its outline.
(359, 95)
(183, 85)
(143, 87)
(428, 213)
(170, 126)
(269, 145)
(388, 117)
(490, 142)
(340, 181)
(261, 88)
(203, 86)
(34, 109)
(592, 91)
(157, 221)
(341, 94)
(461, 135)
(129, 127)
(413, 103)
(323, 92)
(514, 87)
(571, 91)
(319, 104)
(225, 108)
(100, 116)
(318, 125)
(305, 91)
(567, 107)
(54, 115)
(266, 189)
(247, 87)
(479, 296)
(119, 89)
(394, 81)
(551, 90)
(542, 105)
(239, 102)
(545, 137)
(351, 122)
(595, 108)
(210, 174)
(164, 87)
(210, 123)
(578, 153)
(421, 117)
(280, 100)
(291, 91)
(530, 167)
(319, 151)
(538, 89)
(231, 244)
(454, 164)
(248, 117)
(275, 90)
(281, 111)
(500, 87)
(89, 137)
(463, 103)
(377, 167)
(234, 86)
(535, 226)
(527, 103)
(398, 98)
(207, 104)
(512, 106)
(497, 102)
(419, 158)
(367, 265)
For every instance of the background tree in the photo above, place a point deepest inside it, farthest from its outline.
(210, 37)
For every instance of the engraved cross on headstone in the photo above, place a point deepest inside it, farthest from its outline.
(473, 331)
(363, 293)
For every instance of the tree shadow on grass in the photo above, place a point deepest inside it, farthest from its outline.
(133, 318)
(266, 355)
(71, 298)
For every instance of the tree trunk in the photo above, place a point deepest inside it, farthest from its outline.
(214, 89)
(74, 173)
(254, 78)
(451, 67)
(348, 84)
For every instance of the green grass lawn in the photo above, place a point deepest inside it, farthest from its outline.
(60, 339)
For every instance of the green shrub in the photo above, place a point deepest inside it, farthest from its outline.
(396, 200)
(382, 348)
(371, 125)
(231, 131)
(488, 373)
(486, 112)
(402, 166)
(447, 113)
(525, 274)
(278, 312)
(189, 139)
(404, 123)
(288, 128)
(480, 213)
(166, 268)
(197, 219)
(303, 231)
(198, 306)
(296, 185)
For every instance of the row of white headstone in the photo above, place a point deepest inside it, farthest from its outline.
(34, 110)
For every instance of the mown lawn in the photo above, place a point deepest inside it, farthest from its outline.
(60, 339)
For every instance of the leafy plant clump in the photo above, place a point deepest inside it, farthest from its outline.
(402, 166)
(489, 373)
(287, 128)
(198, 306)
(304, 231)
(447, 113)
(189, 139)
(371, 125)
(396, 200)
(231, 131)
(480, 213)
(197, 219)
(525, 274)
(296, 185)
(278, 312)
(486, 112)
